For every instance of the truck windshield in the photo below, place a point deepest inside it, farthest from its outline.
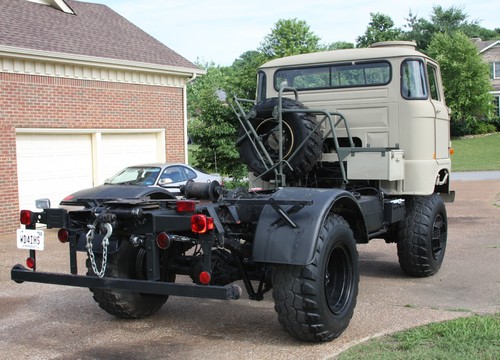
(413, 84)
(334, 76)
(135, 176)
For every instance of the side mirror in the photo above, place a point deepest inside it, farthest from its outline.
(165, 181)
(221, 95)
(42, 203)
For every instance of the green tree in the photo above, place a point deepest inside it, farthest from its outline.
(339, 45)
(380, 28)
(212, 124)
(420, 30)
(465, 78)
(444, 21)
(448, 20)
(289, 37)
(242, 80)
(476, 31)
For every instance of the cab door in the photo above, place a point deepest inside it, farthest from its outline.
(442, 119)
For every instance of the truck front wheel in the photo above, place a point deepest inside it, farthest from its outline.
(422, 236)
(128, 263)
(316, 302)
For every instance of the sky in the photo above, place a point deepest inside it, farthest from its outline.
(219, 31)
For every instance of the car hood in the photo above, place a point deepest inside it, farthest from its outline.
(98, 194)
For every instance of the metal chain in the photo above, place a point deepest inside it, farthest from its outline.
(105, 243)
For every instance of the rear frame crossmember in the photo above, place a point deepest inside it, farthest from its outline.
(229, 292)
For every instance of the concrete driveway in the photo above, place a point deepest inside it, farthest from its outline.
(54, 322)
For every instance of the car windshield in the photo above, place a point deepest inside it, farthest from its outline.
(136, 175)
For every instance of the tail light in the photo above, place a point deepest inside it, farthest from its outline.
(162, 240)
(26, 217)
(205, 277)
(200, 223)
(63, 235)
(30, 262)
(186, 206)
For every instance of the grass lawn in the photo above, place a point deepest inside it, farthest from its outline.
(477, 153)
(474, 337)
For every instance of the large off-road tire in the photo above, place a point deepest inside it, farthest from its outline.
(316, 302)
(128, 263)
(422, 235)
(296, 128)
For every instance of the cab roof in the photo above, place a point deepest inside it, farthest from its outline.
(382, 50)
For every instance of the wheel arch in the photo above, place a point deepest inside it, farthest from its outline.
(278, 243)
(348, 208)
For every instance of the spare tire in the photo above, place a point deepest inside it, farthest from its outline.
(296, 127)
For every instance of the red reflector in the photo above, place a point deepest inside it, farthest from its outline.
(63, 235)
(69, 197)
(25, 217)
(205, 277)
(200, 224)
(30, 262)
(186, 206)
(163, 241)
(210, 224)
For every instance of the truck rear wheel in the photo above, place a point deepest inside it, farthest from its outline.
(296, 127)
(316, 302)
(422, 236)
(128, 263)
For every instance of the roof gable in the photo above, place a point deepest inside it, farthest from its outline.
(94, 30)
(57, 4)
(483, 46)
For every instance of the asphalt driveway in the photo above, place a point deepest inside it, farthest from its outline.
(54, 322)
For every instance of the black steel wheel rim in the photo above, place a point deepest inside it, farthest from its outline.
(268, 131)
(439, 234)
(338, 280)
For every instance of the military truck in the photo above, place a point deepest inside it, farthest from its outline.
(342, 146)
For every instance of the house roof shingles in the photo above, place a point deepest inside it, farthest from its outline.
(482, 45)
(95, 31)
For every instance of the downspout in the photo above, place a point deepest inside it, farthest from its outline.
(191, 79)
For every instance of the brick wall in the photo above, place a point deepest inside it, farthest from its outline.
(29, 101)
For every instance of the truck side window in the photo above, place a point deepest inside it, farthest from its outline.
(433, 84)
(261, 87)
(373, 73)
(413, 84)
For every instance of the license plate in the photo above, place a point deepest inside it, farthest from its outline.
(30, 239)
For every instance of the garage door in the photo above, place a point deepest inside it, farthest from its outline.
(52, 166)
(56, 165)
(121, 150)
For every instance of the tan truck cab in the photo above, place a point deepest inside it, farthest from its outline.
(391, 97)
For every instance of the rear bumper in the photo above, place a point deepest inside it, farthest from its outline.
(229, 292)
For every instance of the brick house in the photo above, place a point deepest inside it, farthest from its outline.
(83, 93)
(490, 52)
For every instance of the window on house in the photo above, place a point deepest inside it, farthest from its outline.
(495, 70)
